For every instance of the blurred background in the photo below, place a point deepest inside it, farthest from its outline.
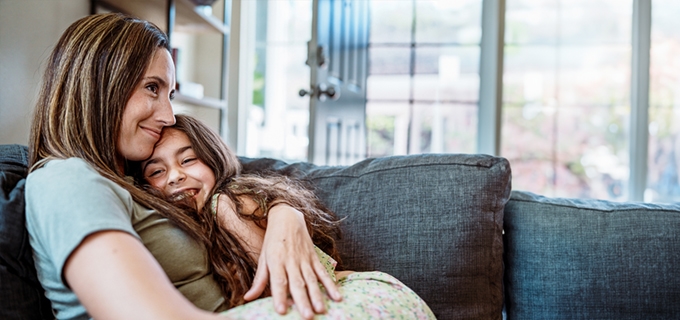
(572, 84)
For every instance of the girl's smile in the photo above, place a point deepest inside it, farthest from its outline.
(176, 171)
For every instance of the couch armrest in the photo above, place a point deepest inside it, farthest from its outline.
(21, 296)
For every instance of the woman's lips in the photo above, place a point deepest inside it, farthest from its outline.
(156, 134)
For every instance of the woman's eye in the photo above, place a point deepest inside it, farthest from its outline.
(153, 88)
(172, 95)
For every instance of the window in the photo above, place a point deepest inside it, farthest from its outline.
(566, 100)
(567, 79)
(278, 118)
(664, 104)
(567, 120)
(423, 79)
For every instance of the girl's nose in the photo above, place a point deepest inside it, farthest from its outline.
(176, 176)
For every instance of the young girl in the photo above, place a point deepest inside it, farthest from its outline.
(192, 167)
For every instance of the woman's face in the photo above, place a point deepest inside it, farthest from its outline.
(176, 171)
(149, 109)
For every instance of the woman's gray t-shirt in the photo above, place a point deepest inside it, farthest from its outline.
(67, 200)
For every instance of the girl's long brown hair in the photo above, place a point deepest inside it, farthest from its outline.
(233, 268)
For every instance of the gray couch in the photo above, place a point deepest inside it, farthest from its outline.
(449, 227)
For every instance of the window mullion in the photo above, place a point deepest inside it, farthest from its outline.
(639, 99)
(491, 77)
(240, 80)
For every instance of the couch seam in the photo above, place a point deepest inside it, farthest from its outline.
(401, 167)
(593, 209)
(498, 224)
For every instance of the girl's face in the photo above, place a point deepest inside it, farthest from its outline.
(149, 109)
(176, 171)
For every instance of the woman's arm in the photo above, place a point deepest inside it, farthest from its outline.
(247, 231)
(116, 277)
(289, 259)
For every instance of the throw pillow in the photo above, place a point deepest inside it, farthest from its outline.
(433, 221)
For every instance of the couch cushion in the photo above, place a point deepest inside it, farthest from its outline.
(21, 296)
(591, 259)
(432, 221)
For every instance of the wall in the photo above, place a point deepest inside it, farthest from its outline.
(28, 31)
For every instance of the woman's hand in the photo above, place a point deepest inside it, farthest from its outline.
(289, 259)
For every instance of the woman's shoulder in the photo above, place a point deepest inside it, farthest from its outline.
(62, 168)
(72, 176)
(70, 190)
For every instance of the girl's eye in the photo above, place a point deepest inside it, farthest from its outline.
(154, 173)
(172, 95)
(188, 160)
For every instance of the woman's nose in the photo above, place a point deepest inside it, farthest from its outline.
(164, 114)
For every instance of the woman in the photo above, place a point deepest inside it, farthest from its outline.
(104, 248)
(191, 166)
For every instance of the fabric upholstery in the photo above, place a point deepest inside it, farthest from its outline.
(432, 221)
(590, 259)
(21, 296)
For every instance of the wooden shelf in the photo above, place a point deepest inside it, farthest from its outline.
(188, 18)
(204, 102)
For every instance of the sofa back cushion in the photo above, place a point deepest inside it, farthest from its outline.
(21, 296)
(432, 221)
(591, 259)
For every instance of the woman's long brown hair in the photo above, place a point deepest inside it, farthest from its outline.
(90, 76)
(234, 269)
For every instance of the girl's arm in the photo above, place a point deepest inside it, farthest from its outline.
(289, 259)
(116, 277)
